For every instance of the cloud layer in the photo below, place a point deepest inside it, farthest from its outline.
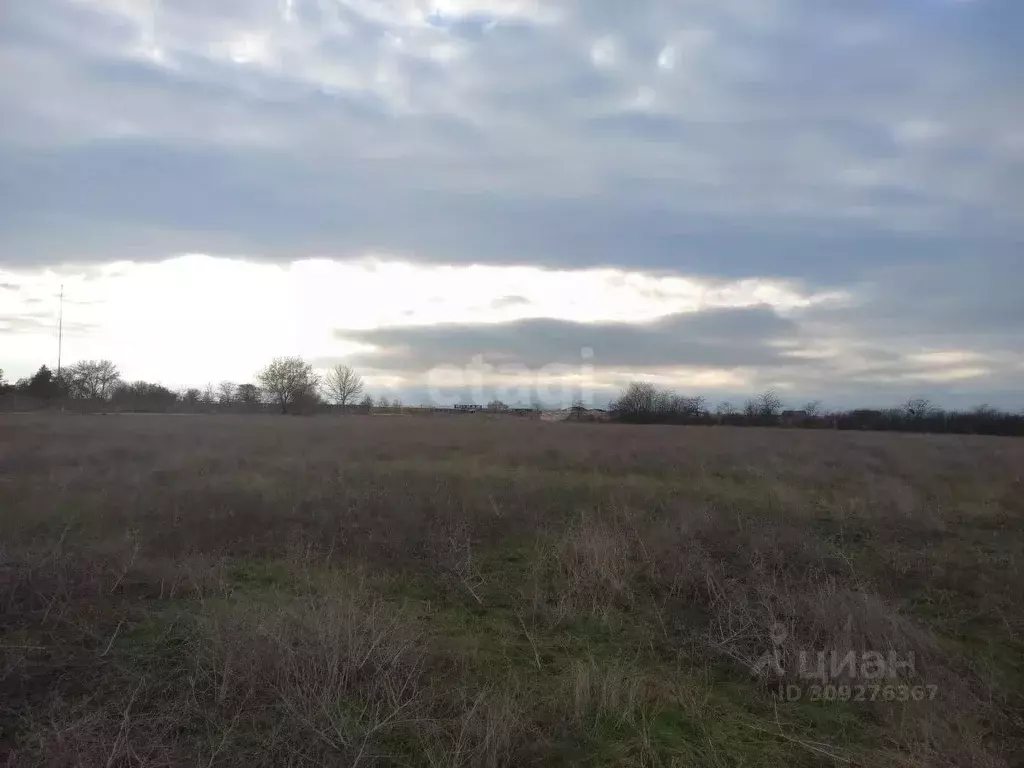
(712, 338)
(716, 136)
(788, 151)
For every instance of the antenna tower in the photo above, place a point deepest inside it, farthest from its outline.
(60, 330)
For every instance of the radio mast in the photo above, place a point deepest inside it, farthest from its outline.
(60, 330)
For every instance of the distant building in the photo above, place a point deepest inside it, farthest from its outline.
(469, 408)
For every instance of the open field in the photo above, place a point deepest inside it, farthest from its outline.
(459, 592)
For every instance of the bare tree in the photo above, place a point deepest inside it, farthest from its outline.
(642, 401)
(343, 385)
(726, 408)
(813, 409)
(918, 408)
(307, 400)
(578, 409)
(366, 404)
(92, 379)
(769, 404)
(638, 400)
(226, 392)
(143, 395)
(287, 380)
(209, 396)
(694, 407)
(496, 405)
(249, 394)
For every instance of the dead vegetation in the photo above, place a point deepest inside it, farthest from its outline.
(263, 591)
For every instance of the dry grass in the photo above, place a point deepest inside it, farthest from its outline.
(359, 591)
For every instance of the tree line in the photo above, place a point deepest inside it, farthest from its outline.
(291, 385)
(644, 403)
(287, 384)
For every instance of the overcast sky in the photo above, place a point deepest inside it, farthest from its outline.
(820, 196)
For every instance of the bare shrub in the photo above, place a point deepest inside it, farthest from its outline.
(591, 567)
(344, 673)
(487, 733)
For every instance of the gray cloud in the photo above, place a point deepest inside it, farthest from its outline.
(39, 322)
(509, 301)
(720, 338)
(956, 347)
(491, 138)
(928, 303)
